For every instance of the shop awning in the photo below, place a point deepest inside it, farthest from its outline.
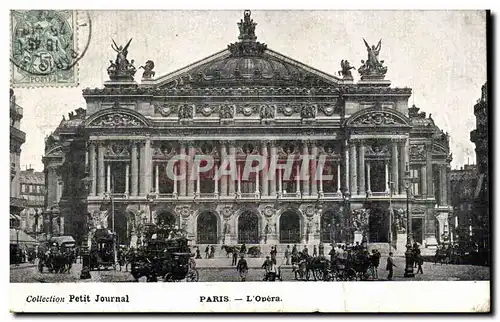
(18, 236)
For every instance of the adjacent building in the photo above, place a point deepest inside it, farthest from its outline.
(32, 185)
(248, 100)
(463, 184)
(479, 136)
(17, 139)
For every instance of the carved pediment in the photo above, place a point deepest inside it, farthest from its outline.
(116, 118)
(378, 117)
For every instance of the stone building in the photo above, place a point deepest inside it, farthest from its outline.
(463, 183)
(33, 191)
(248, 100)
(479, 136)
(17, 138)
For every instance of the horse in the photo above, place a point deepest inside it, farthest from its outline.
(230, 249)
(254, 251)
(442, 256)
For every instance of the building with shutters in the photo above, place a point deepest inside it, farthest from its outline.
(246, 101)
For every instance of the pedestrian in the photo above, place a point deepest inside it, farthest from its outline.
(207, 251)
(332, 254)
(273, 254)
(315, 251)
(242, 267)
(389, 266)
(270, 269)
(420, 261)
(321, 249)
(212, 252)
(305, 251)
(375, 259)
(198, 255)
(235, 258)
(287, 254)
(243, 248)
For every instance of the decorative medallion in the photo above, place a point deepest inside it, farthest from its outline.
(247, 110)
(310, 211)
(205, 110)
(328, 110)
(268, 211)
(183, 210)
(287, 110)
(117, 150)
(227, 212)
(417, 151)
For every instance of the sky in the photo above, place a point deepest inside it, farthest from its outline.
(440, 54)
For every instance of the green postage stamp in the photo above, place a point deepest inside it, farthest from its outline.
(45, 47)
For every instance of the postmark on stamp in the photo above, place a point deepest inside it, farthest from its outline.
(45, 46)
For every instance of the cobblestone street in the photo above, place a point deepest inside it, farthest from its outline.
(219, 270)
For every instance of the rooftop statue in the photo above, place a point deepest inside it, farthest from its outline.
(121, 68)
(373, 67)
(346, 69)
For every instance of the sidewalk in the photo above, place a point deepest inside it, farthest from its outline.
(23, 265)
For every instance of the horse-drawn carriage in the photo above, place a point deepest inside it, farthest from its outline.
(166, 255)
(58, 254)
(102, 250)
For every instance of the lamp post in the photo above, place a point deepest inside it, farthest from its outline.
(85, 273)
(407, 181)
(115, 241)
(151, 197)
(346, 196)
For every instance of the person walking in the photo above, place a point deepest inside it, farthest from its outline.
(207, 251)
(305, 251)
(273, 254)
(419, 259)
(242, 267)
(287, 254)
(198, 255)
(235, 258)
(332, 255)
(321, 249)
(212, 252)
(389, 266)
(270, 270)
(375, 261)
(315, 251)
(243, 249)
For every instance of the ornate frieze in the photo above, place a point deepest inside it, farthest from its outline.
(417, 151)
(117, 120)
(206, 109)
(327, 109)
(185, 111)
(117, 150)
(247, 109)
(289, 109)
(163, 150)
(377, 149)
(377, 119)
(308, 111)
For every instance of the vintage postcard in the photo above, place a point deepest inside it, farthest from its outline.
(249, 161)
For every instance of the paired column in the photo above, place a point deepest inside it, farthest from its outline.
(135, 170)
(338, 179)
(223, 179)
(395, 167)
(305, 169)
(443, 184)
(314, 167)
(232, 156)
(108, 177)
(127, 178)
(93, 170)
(353, 168)
(157, 179)
(190, 178)
(346, 166)
(428, 163)
(387, 188)
(101, 169)
(183, 170)
(368, 178)
(143, 165)
(264, 173)
(404, 161)
(361, 176)
(273, 162)
(423, 180)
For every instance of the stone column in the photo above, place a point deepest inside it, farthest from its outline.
(346, 166)
(149, 165)
(264, 173)
(135, 170)
(402, 165)
(368, 178)
(387, 189)
(428, 163)
(353, 162)
(239, 179)
(93, 170)
(142, 176)
(223, 179)
(423, 181)
(338, 179)
(395, 167)
(198, 180)
(305, 169)
(183, 170)
(314, 166)
(190, 178)
(108, 177)
(297, 178)
(273, 162)
(157, 179)
(443, 185)
(127, 178)
(232, 156)
(175, 180)
(361, 176)
(216, 187)
(100, 168)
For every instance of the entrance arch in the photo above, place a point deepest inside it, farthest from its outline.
(290, 227)
(332, 227)
(378, 224)
(166, 218)
(248, 228)
(206, 226)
